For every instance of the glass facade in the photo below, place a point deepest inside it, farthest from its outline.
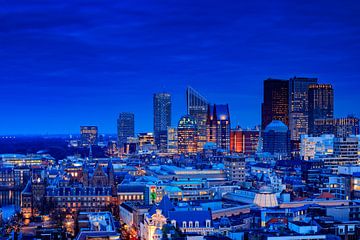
(125, 127)
(218, 125)
(321, 104)
(276, 102)
(162, 118)
(298, 106)
(187, 135)
(197, 106)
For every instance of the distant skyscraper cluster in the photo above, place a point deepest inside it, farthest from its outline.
(183, 179)
(291, 109)
(204, 123)
(306, 107)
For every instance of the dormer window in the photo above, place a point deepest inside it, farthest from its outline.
(196, 224)
(190, 224)
(173, 222)
(208, 223)
(184, 224)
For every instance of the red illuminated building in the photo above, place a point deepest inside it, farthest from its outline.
(244, 141)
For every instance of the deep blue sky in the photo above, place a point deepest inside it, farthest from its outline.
(69, 63)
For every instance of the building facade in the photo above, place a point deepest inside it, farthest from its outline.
(276, 102)
(340, 127)
(244, 141)
(218, 125)
(162, 118)
(89, 135)
(347, 149)
(187, 135)
(197, 106)
(298, 106)
(277, 139)
(321, 104)
(235, 168)
(312, 147)
(125, 127)
(172, 140)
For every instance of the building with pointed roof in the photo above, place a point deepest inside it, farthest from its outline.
(218, 125)
(165, 205)
(192, 221)
(197, 106)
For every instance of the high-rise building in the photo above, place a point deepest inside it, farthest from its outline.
(125, 127)
(162, 118)
(321, 103)
(340, 127)
(197, 106)
(298, 106)
(244, 141)
(277, 139)
(276, 102)
(187, 135)
(218, 125)
(89, 135)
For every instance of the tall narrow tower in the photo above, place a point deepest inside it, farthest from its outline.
(162, 118)
(197, 107)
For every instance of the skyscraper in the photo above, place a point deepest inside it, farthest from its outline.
(162, 118)
(125, 127)
(218, 125)
(197, 106)
(276, 102)
(298, 106)
(321, 103)
(187, 135)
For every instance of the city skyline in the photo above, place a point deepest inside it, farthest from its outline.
(85, 68)
(172, 120)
